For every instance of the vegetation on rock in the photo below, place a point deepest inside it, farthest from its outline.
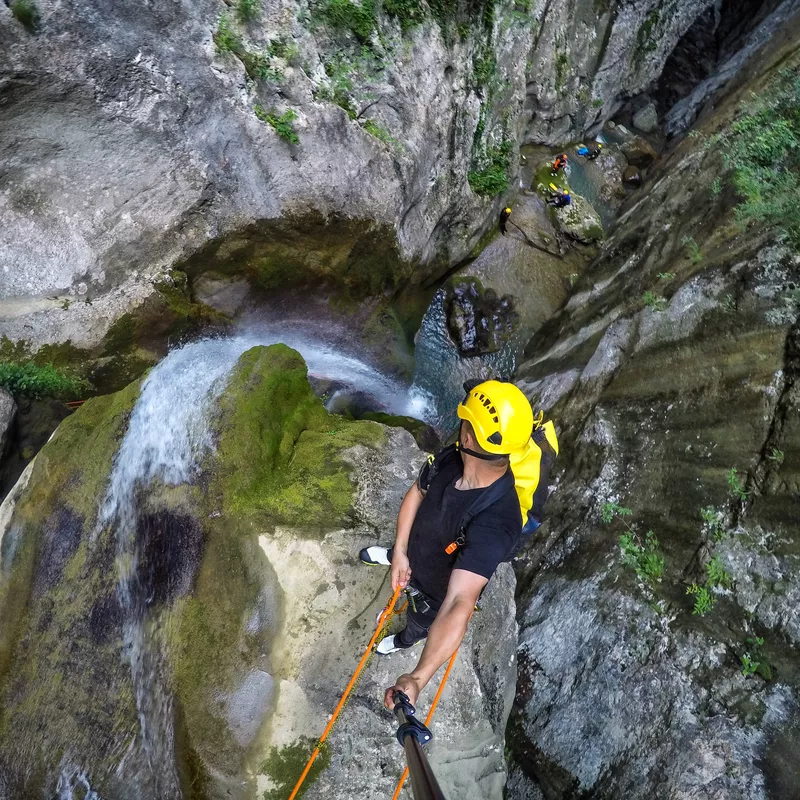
(281, 123)
(40, 380)
(26, 13)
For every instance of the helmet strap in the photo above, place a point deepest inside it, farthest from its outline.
(482, 456)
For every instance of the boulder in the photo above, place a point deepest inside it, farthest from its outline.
(580, 221)
(478, 320)
(646, 118)
(639, 152)
(632, 177)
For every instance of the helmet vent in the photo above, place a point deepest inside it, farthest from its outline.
(495, 438)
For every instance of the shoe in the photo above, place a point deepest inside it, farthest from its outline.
(389, 644)
(375, 556)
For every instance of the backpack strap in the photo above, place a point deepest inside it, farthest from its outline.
(536, 512)
(500, 488)
(432, 466)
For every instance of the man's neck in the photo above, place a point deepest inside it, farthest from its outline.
(478, 474)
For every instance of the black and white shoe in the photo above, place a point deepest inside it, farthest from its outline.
(389, 644)
(375, 556)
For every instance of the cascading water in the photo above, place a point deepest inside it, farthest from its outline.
(441, 371)
(167, 436)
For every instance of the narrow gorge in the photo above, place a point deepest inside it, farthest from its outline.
(250, 254)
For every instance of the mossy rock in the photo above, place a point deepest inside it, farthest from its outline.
(424, 435)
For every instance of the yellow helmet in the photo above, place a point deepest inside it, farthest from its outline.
(500, 415)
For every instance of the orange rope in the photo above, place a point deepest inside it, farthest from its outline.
(428, 719)
(384, 618)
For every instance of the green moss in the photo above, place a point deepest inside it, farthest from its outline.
(209, 651)
(284, 765)
(423, 434)
(120, 335)
(409, 13)
(344, 15)
(278, 448)
(647, 37)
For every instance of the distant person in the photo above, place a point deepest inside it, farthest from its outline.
(589, 151)
(504, 215)
(560, 163)
(558, 198)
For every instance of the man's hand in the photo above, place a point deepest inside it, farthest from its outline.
(405, 683)
(401, 571)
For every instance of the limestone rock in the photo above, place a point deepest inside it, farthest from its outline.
(639, 152)
(641, 371)
(8, 410)
(580, 221)
(478, 320)
(646, 118)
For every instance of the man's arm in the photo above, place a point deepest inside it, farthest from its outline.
(401, 571)
(444, 636)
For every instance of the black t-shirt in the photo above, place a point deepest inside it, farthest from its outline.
(492, 536)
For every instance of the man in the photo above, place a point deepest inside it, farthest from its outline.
(558, 198)
(445, 568)
(559, 164)
(504, 215)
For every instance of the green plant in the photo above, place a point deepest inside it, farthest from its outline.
(281, 124)
(562, 68)
(372, 128)
(692, 249)
(652, 300)
(484, 68)
(344, 15)
(703, 599)
(407, 12)
(717, 574)
(749, 666)
(666, 276)
(762, 148)
(776, 456)
(573, 279)
(716, 187)
(598, 102)
(33, 380)
(280, 48)
(729, 302)
(735, 485)
(258, 65)
(713, 518)
(247, 10)
(492, 177)
(647, 37)
(225, 38)
(642, 555)
(609, 511)
(26, 13)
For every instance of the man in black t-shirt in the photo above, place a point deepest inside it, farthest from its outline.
(445, 574)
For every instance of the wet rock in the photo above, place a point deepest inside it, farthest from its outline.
(8, 411)
(223, 293)
(580, 221)
(478, 320)
(632, 177)
(639, 152)
(646, 118)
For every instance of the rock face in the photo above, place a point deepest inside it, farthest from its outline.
(478, 320)
(194, 625)
(646, 118)
(658, 620)
(134, 142)
(8, 410)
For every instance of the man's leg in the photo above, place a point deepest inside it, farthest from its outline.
(416, 628)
